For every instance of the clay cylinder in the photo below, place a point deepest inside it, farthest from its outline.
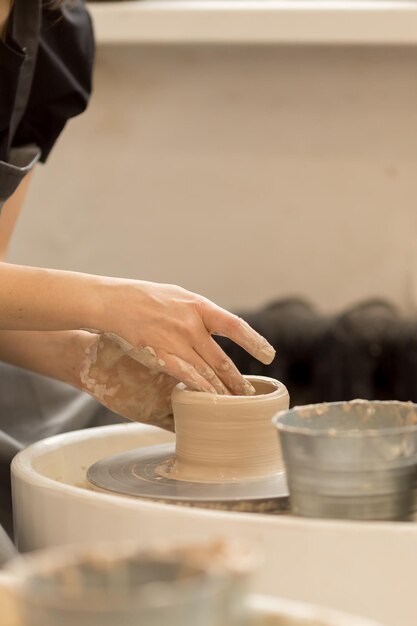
(228, 438)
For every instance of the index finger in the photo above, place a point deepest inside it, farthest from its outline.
(218, 321)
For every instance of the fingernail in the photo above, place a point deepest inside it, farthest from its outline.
(266, 353)
(262, 349)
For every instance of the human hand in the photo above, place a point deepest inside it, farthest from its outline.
(125, 385)
(169, 329)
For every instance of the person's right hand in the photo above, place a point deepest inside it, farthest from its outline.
(169, 329)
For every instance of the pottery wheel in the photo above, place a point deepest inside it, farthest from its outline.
(134, 473)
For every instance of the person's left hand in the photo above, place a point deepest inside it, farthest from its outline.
(126, 386)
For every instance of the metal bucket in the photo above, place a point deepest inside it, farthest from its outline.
(351, 460)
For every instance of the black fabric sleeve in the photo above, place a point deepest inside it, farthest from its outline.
(11, 60)
(63, 75)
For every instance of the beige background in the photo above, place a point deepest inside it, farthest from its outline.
(244, 173)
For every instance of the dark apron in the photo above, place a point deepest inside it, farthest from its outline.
(20, 161)
(31, 406)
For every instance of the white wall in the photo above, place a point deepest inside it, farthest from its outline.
(244, 173)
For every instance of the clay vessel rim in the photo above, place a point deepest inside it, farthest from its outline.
(180, 393)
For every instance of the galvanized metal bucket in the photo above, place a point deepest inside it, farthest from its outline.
(351, 460)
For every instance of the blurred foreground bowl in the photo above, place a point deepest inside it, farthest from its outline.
(121, 584)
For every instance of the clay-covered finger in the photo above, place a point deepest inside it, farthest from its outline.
(209, 374)
(225, 369)
(186, 373)
(200, 378)
(221, 322)
(173, 366)
(193, 362)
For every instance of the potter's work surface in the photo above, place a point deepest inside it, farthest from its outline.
(135, 473)
(362, 568)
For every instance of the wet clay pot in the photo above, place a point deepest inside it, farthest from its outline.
(228, 438)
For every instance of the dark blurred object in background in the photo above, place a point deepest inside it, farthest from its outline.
(368, 351)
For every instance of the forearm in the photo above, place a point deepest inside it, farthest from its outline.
(96, 365)
(56, 354)
(42, 299)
